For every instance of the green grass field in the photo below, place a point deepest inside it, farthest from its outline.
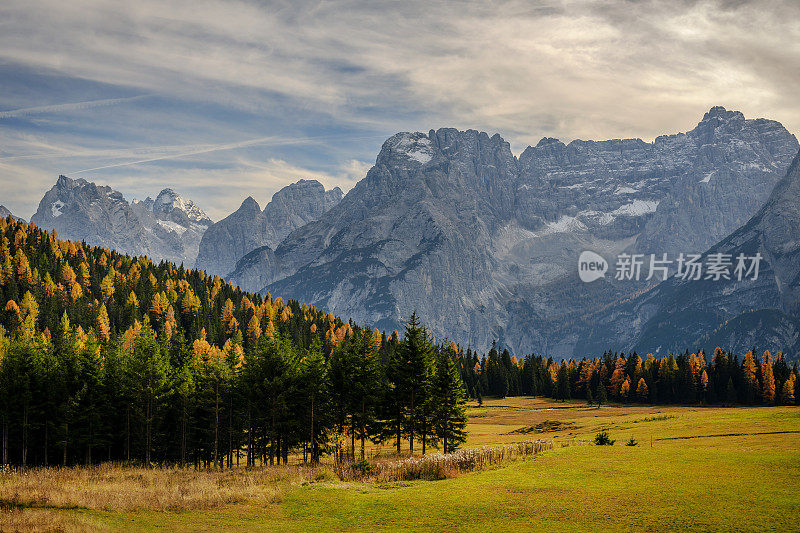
(707, 469)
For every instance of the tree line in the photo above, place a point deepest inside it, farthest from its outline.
(108, 357)
(687, 378)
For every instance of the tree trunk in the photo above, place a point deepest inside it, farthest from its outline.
(147, 432)
(411, 423)
(5, 440)
(66, 442)
(250, 458)
(399, 424)
(45, 442)
(353, 442)
(230, 431)
(127, 434)
(216, 425)
(183, 435)
(25, 436)
(311, 437)
(91, 438)
(363, 428)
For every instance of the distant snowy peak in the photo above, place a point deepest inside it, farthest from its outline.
(168, 200)
(169, 227)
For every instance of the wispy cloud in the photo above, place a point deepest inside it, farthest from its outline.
(338, 72)
(73, 106)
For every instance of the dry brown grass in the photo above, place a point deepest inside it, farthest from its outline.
(29, 520)
(119, 488)
(439, 466)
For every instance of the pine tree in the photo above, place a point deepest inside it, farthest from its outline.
(601, 394)
(147, 378)
(417, 356)
(563, 391)
(730, 392)
(317, 391)
(448, 398)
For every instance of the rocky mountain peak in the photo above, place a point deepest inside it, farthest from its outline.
(168, 201)
(720, 114)
(249, 228)
(65, 182)
(410, 148)
(547, 141)
(249, 206)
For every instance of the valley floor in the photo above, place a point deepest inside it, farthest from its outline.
(694, 468)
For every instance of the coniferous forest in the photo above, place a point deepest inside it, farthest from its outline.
(107, 357)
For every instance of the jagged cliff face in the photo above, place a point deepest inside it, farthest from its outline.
(484, 245)
(168, 228)
(762, 313)
(414, 234)
(250, 228)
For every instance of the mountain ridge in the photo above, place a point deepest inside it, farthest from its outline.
(483, 244)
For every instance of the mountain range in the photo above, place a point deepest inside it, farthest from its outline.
(168, 228)
(250, 228)
(484, 244)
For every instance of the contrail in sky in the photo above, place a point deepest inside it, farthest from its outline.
(73, 106)
(204, 149)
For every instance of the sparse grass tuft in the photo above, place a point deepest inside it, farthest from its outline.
(440, 466)
(653, 418)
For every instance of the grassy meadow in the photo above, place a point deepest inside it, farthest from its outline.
(694, 468)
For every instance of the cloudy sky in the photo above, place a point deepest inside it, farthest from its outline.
(225, 99)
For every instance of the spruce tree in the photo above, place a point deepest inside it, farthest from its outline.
(417, 357)
(601, 394)
(448, 398)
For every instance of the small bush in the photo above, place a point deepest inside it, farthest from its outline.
(361, 468)
(602, 439)
(631, 442)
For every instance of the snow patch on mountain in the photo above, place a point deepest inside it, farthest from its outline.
(636, 208)
(707, 178)
(565, 224)
(169, 225)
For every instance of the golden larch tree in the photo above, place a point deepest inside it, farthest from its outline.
(641, 390)
(787, 392)
(254, 327)
(749, 371)
(625, 388)
(767, 379)
(103, 325)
